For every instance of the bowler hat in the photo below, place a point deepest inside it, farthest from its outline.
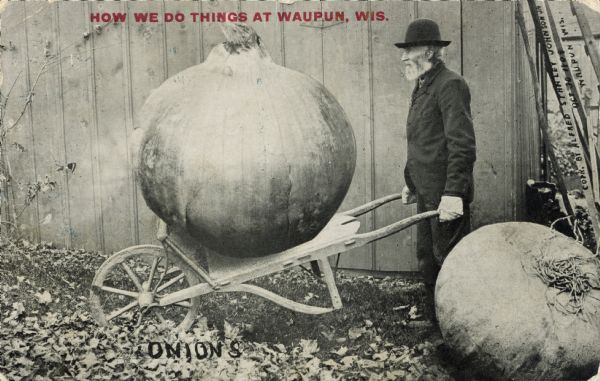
(422, 32)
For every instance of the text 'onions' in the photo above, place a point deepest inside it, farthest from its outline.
(250, 157)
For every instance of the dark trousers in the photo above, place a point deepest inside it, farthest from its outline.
(436, 239)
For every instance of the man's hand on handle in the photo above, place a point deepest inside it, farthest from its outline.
(407, 196)
(450, 208)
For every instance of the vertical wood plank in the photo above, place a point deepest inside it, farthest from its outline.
(303, 42)
(520, 108)
(269, 32)
(522, 88)
(10, 63)
(77, 124)
(391, 93)
(526, 124)
(346, 75)
(15, 67)
(128, 104)
(47, 129)
(147, 71)
(211, 31)
(93, 129)
(514, 191)
(59, 135)
(587, 70)
(526, 108)
(110, 97)
(534, 128)
(182, 38)
(487, 65)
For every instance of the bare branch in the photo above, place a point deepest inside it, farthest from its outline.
(29, 97)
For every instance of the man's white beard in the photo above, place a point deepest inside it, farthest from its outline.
(414, 71)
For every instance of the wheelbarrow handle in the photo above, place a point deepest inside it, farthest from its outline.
(360, 210)
(364, 238)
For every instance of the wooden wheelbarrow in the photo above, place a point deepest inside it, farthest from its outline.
(167, 281)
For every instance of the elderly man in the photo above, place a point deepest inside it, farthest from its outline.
(441, 147)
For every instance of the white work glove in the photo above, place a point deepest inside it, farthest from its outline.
(408, 197)
(450, 208)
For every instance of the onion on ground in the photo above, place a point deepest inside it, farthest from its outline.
(519, 301)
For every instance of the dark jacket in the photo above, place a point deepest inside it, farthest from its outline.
(440, 136)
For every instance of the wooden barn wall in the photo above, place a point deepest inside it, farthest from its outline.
(527, 153)
(95, 78)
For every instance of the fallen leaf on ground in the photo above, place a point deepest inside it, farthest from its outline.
(231, 332)
(24, 361)
(152, 365)
(110, 355)
(89, 360)
(413, 313)
(355, 333)
(281, 348)
(94, 343)
(309, 347)
(381, 356)
(309, 297)
(44, 297)
(365, 363)
(313, 366)
(18, 307)
(348, 360)
(328, 335)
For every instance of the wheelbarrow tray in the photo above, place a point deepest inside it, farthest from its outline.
(227, 274)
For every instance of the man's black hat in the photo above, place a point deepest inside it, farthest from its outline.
(422, 32)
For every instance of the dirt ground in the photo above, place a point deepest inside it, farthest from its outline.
(384, 331)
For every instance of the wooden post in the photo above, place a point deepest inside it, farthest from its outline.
(571, 66)
(586, 32)
(554, 55)
(593, 141)
(562, 79)
(539, 106)
(592, 52)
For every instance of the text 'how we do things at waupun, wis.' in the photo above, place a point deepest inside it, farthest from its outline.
(206, 17)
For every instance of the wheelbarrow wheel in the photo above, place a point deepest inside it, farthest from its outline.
(129, 285)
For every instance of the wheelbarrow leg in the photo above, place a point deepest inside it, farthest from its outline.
(330, 281)
(314, 265)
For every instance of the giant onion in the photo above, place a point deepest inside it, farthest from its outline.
(250, 157)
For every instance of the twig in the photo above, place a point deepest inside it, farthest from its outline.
(7, 96)
(561, 219)
(21, 212)
(12, 188)
(4, 130)
(8, 223)
(28, 98)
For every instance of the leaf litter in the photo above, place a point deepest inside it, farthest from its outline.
(44, 336)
